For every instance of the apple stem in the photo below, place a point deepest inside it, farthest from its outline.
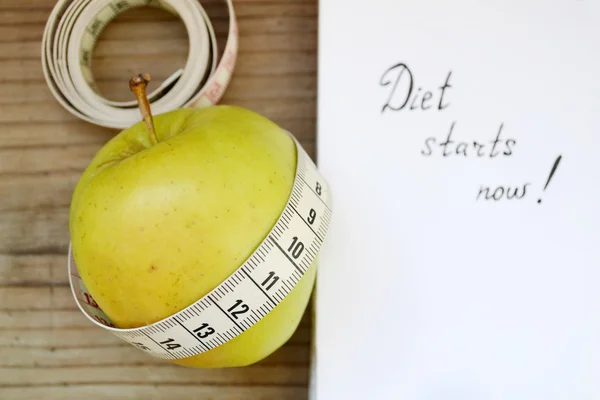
(138, 84)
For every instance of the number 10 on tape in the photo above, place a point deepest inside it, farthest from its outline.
(247, 295)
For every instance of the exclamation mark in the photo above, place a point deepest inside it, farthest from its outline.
(554, 167)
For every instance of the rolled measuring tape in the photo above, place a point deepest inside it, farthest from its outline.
(276, 266)
(69, 40)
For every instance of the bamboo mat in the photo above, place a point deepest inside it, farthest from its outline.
(45, 350)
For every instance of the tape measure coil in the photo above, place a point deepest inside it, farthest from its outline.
(69, 39)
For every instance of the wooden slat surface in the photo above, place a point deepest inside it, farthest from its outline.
(45, 350)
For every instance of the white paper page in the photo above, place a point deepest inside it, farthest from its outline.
(428, 289)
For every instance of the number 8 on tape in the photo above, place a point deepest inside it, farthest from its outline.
(248, 294)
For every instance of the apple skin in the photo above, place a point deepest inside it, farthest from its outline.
(154, 227)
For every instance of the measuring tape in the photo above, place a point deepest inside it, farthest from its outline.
(287, 251)
(69, 40)
(248, 294)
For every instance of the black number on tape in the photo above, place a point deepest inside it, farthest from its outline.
(208, 330)
(296, 248)
(271, 278)
(244, 309)
(170, 344)
(121, 5)
(141, 346)
(85, 58)
(318, 189)
(96, 25)
(312, 215)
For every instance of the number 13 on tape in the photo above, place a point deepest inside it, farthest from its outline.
(247, 295)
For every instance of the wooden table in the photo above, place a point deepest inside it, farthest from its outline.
(45, 342)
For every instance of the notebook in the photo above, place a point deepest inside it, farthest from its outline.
(461, 141)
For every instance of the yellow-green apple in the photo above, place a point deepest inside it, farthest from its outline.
(170, 207)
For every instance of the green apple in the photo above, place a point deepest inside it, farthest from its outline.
(165, 212)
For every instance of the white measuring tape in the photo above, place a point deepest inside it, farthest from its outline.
(287, 251)
(69, 40)
(248, 294)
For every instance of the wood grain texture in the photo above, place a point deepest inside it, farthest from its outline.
(47, 348)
